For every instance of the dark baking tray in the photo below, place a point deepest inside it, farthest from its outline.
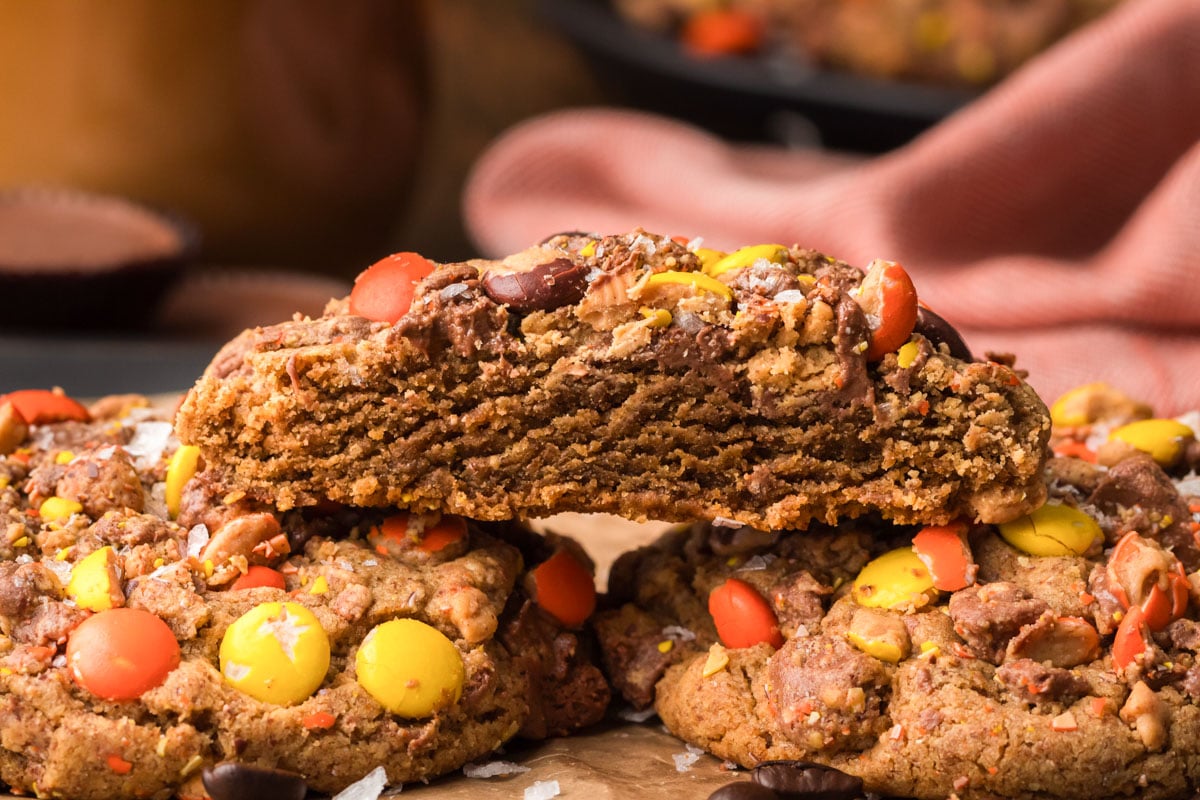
(771, 98)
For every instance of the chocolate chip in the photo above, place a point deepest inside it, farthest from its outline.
(545, 287)
(743, 790)
(938, 331)
(231, 780)
(803, 780)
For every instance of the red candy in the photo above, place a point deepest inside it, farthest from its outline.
(121, 653)
(384, 291)
(41, 406)
(260, 576)
(742, 616)
(564, 588)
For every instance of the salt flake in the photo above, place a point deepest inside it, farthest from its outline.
(197, 538)
(368, 787)
(540, 790)
(492, 769)
(684, 761)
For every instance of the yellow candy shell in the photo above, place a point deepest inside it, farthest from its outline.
(91, 584)
(276, 652)
(410, 668)
(180, 470)
(1162, 439)
(1052, 530)
(896, 579)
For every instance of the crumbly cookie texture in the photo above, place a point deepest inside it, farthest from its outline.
(624, 374)
(1060, 661)
(88, 534)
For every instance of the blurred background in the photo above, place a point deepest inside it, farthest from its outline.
(171, 173)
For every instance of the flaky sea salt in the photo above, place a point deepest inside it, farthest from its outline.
(756, 562)
(726, 522)
(493, 769)
(149, 441)
(542, 790)
(631, 715)
(684, 762)
(196, 539)
(368, 787)
(680, 633)
(789, 296)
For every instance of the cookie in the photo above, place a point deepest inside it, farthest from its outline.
(155, 628)
(629, 374)
(1053, 656)
(958, 43)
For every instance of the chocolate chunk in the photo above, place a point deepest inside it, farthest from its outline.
(743, 790)
(545, 287)
(230, 780)
(804, 780)
(938, 331)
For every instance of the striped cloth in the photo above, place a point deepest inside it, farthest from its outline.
(1057, 217)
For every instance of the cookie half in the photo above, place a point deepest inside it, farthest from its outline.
(628, 374)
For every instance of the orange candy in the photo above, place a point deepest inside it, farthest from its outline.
(944, 552)
(1130, 640)
(721, 31)
(889, 295)
(40, 406)
(446, 531)
(121, 653)
(743, 618)
(260, 576)
(565, 588)
(384, 291)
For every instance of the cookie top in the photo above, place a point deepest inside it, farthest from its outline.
(630, 374)
(1051, 656)
(153, 627)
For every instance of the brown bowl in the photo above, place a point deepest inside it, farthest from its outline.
(76, 261)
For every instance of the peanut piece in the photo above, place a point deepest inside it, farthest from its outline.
(13, 429)
(1148, 715)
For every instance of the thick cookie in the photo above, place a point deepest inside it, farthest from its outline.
(625, 374)
(153, 627)
(1057, 660)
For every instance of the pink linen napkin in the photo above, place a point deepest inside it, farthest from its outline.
(1057, 217)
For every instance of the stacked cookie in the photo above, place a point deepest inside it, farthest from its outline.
(768, 389)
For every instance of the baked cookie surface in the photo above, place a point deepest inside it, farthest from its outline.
(628, 374)
(324, 644)
(1057, 660)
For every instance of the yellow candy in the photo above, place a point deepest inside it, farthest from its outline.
(746, 257)
(906, 355)
(94, 583)
(697, 279)
(897, 579)
(179, 471)
(1162, 439)
(589, 249)
(275, 652)
(58, 509)
(659, 317)
(411, 668)
(708, 257)
(1052, 530)
(879, 648)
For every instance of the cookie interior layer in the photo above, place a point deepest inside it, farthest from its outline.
(1063, 663)
(523, 673)
(636, 384)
